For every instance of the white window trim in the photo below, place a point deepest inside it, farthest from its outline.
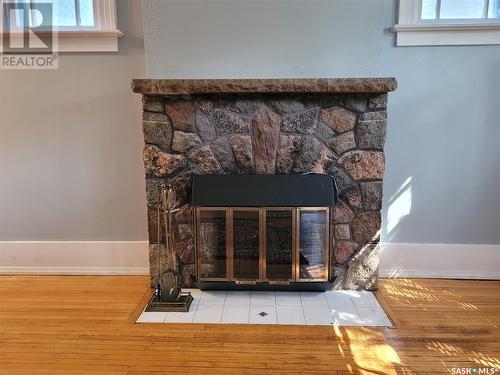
(410, 31)
(88, 40)
(103, 37)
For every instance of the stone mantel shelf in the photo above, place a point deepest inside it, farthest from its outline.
(244, 86)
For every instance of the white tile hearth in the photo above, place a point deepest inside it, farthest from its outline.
(339, 298)
(363, 299)
(263, 298)
(212, 296)
(238, 298)
(373, 316)
(346, 316)
(318, 315)
(183, 317)
(237, 313)
(341, 308)
(288, 299)
(290, 314)
(208, 313)
(152, 317)
(313, 299)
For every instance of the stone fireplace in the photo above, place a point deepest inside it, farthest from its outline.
(270, 126)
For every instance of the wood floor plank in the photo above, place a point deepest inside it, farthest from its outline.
(84, 325)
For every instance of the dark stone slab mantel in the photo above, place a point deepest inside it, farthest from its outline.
(273, 85)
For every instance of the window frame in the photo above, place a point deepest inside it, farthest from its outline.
(102, 37)
(411, 30)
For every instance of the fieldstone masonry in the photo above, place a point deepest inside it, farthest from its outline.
(336, 127)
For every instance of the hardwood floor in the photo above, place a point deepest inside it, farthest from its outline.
(67, 325)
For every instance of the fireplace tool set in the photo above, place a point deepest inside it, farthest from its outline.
(168, 295)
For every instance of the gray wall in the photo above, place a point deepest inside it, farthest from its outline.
(71, 141)
(262, 38)
(71, 145)
(443, 142)
(444, 134)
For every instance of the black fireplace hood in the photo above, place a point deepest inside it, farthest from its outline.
(310, 190)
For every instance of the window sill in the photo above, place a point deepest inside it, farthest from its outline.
(447, 34)
(87, 40)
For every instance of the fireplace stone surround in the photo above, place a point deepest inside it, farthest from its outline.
(270, 126)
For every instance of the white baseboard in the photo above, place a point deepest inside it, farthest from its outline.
(456, 261)
(74, 257)
(131, 258)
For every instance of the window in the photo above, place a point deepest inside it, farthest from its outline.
(81, 25)
(72, 14)
(458, 10)
(448, 22)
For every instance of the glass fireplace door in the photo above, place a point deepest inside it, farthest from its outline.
(246, 244)
(212, 244)
(275, 245)
(312, 255)
(279, 244)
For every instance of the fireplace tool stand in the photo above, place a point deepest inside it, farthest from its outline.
(168, 295)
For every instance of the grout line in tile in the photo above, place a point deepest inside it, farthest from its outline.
(249, 307)
(361, 318)
(302, 308)
(196, 310)
(356, 308)
(223, 308)
(303, 312)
